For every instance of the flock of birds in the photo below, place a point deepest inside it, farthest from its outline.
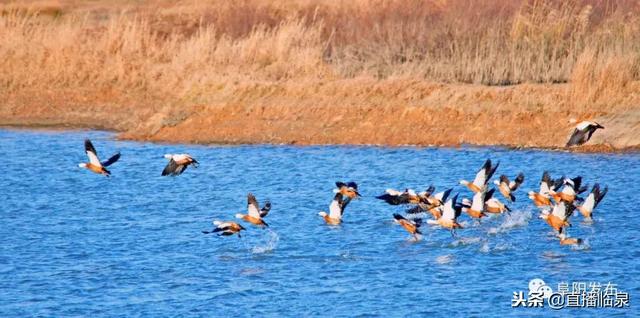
(557, 199)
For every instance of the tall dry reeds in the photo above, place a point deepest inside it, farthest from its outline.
(192, 50)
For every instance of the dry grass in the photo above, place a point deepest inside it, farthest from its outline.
(197, 52)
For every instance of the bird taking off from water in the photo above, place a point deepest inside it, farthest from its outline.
(583, 133)
(482, 177)
(254, 213)
(411, 226)
(547, 186)
(94, 164)
(225, 228)
(336, 210)
(592, 200)
(507, 187)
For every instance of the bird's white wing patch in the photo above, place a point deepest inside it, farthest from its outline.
(480, 179)
(560, 210)
(393, 192)
(93, 159)
(583, 125)
(448, 212)
(222, 224)
(253, 210)
(589, 202)
(335, 212)
(544, 188)
(478, 201)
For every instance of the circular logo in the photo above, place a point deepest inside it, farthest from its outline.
(546, 291)
(539, 286)
(535, 284)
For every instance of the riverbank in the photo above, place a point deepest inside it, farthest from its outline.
(358, 111)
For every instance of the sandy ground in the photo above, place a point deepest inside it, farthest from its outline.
(356, 111)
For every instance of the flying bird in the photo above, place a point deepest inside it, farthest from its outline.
(493, 205)
(564, 240)
(336, 210)
(507, 187)
(547, 186)
(348, 189)
(426, 194)
(254, 213)
(225, 228)
(450, 213)
(559, 216)
(592, 201)
(412, 226)
(482, 177)
(178, 163)
(434, 203)
(394, 197)
(572, 187)
(582, 133)
(475, 208)
(94, 164)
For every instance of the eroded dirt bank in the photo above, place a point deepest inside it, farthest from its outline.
(355, 111)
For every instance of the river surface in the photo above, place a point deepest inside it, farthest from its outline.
(76, 243)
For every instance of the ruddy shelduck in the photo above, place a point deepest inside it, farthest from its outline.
(395, 197)
(571, 188)
(450, 213)
(583, 132)
(493, 205)
(559, 216)
(564, 240)
(592, 201)
(225, 228)
(482, 177)
(94, 164)
(254, 213)
(348, 189)
(507, 187)
(336, 210)
(475, 208)
(433, 205)
(178, 163)
(547, 186)
(411, 226)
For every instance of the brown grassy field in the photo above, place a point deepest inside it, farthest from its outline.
(441, 72)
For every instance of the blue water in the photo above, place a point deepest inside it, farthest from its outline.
(76, 243)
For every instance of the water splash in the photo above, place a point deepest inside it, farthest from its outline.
(513, 220)
(499, 247)
(466, 241)
(270, 242)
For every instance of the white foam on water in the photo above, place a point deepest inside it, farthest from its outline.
(271, 243)
(444, 259)
(509, 221)
(486, 247)
(466, 241)
(251, 271)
